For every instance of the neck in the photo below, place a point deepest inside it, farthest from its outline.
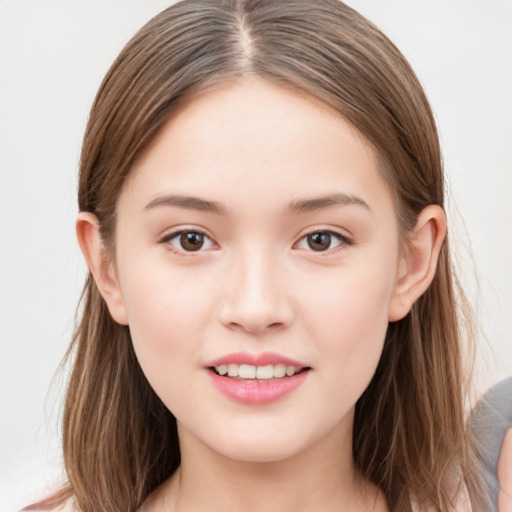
(321, 477)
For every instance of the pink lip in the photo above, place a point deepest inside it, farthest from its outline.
(256, 392)
(262, 359)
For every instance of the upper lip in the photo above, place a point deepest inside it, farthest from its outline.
(261, 359)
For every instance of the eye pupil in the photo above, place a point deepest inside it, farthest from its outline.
(319, 241)
(191, 241)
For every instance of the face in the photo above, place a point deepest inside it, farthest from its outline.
(256, 237)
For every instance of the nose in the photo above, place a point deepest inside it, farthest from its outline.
(255, 297)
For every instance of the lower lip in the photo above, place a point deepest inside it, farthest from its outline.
(257, 392)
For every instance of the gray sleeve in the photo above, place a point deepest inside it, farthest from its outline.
(490, 420)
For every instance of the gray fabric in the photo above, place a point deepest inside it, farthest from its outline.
(489, 422)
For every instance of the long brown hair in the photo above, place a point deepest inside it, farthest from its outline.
(119, 439)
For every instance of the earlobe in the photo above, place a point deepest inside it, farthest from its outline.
(418, 266)
(100, 265)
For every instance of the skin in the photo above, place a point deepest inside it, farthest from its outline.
(255, 148)
(505, 474)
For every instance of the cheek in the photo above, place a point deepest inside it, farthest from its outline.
(348, 322)
(165, 299)
(168, 314)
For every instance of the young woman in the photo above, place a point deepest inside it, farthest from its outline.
(270, 320)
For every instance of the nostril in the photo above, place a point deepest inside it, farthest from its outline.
(262, 326)
(255, 327)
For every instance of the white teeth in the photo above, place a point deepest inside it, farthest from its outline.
(279, 370)
(290, 370)
(248, 371)
(265, 372)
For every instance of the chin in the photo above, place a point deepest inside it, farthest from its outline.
(259, 452)
(261, 445)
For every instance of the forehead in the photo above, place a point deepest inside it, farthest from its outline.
(258, 135)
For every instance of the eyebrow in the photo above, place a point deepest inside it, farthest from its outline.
(188, 202)
(318, 203)
(297, 206)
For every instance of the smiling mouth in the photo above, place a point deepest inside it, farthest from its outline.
(249, 372)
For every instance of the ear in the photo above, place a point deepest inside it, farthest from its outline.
(101, 265)
(418, 266)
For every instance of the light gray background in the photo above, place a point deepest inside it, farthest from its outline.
(53, 55)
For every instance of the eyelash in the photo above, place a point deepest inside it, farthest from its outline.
(167, 239)
(342, 239)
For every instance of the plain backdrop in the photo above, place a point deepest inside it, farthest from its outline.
(53, 55)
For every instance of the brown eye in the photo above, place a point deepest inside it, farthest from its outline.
(191, 241)
(323, 241)
(320, 241)
(188, 241)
